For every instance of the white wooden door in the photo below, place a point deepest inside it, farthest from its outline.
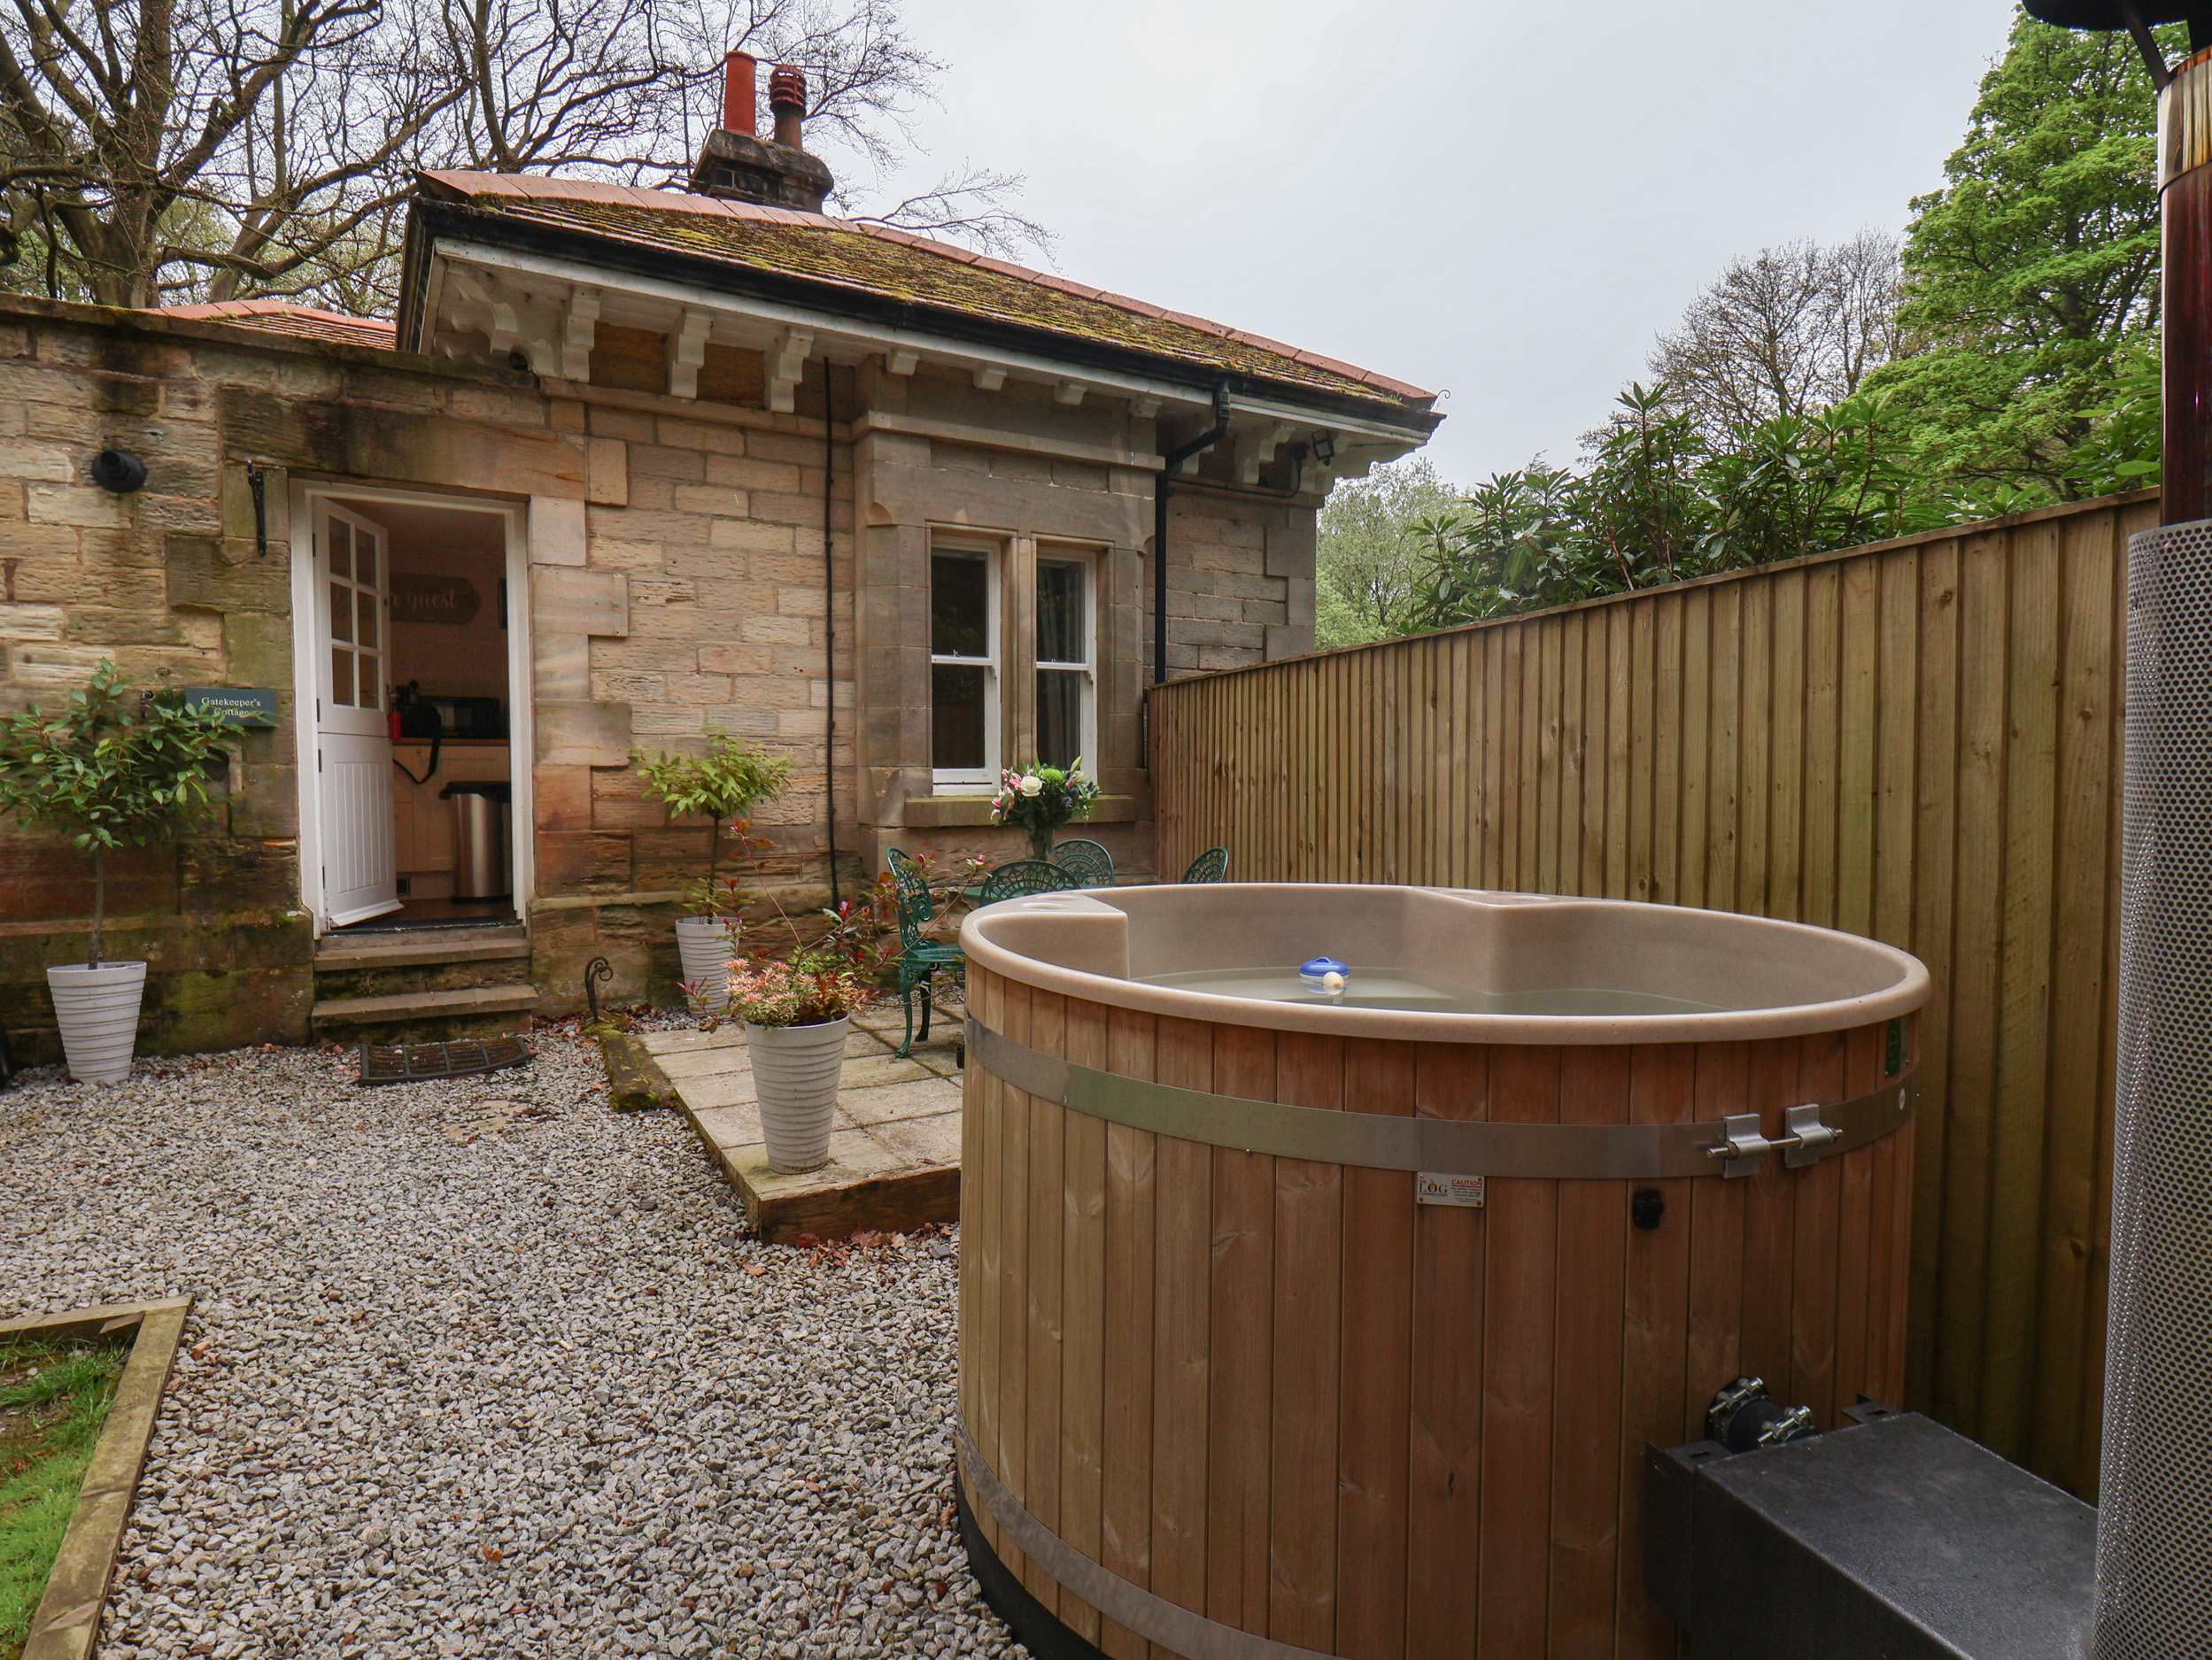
(355, 822)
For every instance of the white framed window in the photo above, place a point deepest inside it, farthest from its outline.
(964, 665)
(1067, 657)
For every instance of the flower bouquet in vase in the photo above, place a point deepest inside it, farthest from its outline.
(1039, 800)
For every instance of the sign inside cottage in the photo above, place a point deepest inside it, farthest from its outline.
(427, 599)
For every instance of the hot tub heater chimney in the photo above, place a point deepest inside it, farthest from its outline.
(2154, 1495)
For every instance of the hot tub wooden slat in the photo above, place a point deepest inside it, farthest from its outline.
(1047, 1030)
(1375, 1398)
(1855, 1356)
(1716, 1243)
(1518, 1358)
(1662, 1089)
(1241, 1320)
(1182, 1334)
(1594, 1086)
(979, 1244)
(1013, 1177)
(1125, 1486)
(1813, 1303)
(1769, 1216)
(1083, 1354)
(1305, 1367)
(1443, 1520)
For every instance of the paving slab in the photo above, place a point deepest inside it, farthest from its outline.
(894, 1143)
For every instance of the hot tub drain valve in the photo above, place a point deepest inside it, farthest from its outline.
(1743, 1418)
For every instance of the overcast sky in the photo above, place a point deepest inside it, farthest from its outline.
(1499, 201)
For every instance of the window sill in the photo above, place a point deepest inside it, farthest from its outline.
(947, 812)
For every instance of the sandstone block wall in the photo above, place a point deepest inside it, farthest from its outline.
(676, 558)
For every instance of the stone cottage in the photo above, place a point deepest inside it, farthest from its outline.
(630, 465)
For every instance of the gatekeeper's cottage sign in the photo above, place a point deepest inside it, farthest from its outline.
(434, 598)
(241, 706)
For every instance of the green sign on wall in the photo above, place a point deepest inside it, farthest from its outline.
(241, 706)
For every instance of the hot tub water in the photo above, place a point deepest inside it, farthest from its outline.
(1409, 989)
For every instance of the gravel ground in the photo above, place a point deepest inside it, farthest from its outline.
(481, 1368)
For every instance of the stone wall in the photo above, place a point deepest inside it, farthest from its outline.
(715, 537)
(676, 550)
(175, 578)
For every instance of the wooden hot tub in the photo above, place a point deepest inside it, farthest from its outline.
(1232, 1388)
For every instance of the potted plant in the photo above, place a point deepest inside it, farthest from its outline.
(1039, 800)
(797, 1014)
(722, 784)
(107, 770)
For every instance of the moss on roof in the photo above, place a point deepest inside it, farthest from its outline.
(907, 269)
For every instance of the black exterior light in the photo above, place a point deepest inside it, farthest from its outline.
(119, 471)
(1325, 447)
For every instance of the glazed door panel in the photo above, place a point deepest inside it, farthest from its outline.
(354, 790)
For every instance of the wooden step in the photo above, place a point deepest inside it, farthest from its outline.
(410, 1005)
(428, 947)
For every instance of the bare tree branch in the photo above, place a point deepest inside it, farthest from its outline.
(162, 149)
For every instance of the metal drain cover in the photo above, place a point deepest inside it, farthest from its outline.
(412, 1063)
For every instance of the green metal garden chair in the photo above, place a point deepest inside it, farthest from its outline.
(1088, 862)
(921, 959)
(1211, 866)
(1023, 876)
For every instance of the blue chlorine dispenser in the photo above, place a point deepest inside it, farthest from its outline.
(1325, 974)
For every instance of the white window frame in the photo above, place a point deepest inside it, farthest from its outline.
(1087, 719)
(983, 779)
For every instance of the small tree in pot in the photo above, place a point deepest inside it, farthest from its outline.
(107, 771)
(722, 783)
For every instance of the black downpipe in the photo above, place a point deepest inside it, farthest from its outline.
(1161, 485)
(828, 633)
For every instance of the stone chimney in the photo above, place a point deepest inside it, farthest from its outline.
(737, 162)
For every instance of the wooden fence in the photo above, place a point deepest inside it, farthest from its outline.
(1918, 740)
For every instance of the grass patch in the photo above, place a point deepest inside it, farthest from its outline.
(53, 1399)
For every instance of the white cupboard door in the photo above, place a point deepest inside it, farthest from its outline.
(356, 822)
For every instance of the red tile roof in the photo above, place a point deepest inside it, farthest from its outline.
(285, 317)
(897, 264)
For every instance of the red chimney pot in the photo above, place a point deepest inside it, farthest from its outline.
(738, 104)
(787, 97)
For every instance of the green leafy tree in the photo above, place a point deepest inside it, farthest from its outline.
(106, 773)
(1368, 563)
(2034, 268)
(723, 782)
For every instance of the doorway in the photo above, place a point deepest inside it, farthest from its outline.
(411, 661)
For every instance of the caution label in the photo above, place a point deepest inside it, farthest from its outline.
(1432, 1189)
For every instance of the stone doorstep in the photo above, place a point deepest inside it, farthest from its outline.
(895, 1145)
(406, 951)
(489, 999)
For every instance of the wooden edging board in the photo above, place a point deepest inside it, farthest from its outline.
(635, 1082)
(68, 1617)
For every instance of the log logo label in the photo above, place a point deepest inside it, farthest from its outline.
(1435, 1188)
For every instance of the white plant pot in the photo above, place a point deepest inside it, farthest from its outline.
(97, 1012)
(795, 1072)
(704, 944)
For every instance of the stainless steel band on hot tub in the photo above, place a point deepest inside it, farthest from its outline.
(1123, 1601)
(1731, 1146)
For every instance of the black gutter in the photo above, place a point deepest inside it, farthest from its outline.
(609, 252)
(829, 628)
(1161, 485)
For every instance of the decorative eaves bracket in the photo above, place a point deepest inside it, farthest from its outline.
(786, 362)
(687, 351)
